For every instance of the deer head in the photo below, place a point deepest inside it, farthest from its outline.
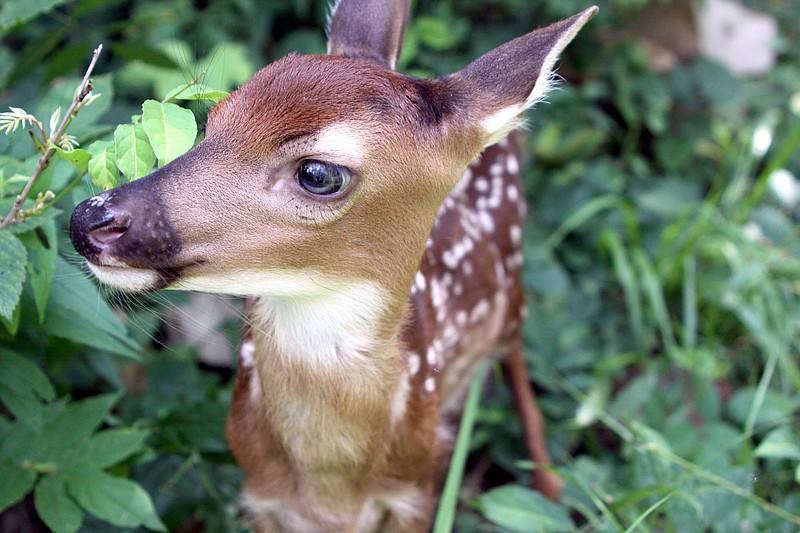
(321, 171)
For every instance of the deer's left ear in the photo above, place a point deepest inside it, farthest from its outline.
(368, 29)
(502, 83)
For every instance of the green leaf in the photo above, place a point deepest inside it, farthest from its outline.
(522, 509)
(78, 157)
(16, 483)
(118, 501)
(438, 34)
(12, 324)
(110, 446)
(197, 91)
(197, 426)
(170, 128)
(75, 304)
(22, 387)
(55, 507)
(42, 252)
(12, 272)
(780, 443)
(142, 52)
(135, 156)
(15, 13)
(78, 420)
(103, 165)
(775, 409)
(238, 67)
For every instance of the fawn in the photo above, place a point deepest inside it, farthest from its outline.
(331, 191)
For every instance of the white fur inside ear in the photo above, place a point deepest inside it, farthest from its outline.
(499, 124)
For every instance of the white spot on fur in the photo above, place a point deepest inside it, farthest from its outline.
(419, 281)
(247, 353)
(438, 294)
(481, 185)
(486, 221)
(480, 311)
(515, 233)
(430, 384)
(413, 363)
(512, 192)
(512, 164)
(431, 357)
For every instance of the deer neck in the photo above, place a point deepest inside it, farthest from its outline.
(327, 374)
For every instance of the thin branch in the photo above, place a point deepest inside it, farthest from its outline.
(84, 89)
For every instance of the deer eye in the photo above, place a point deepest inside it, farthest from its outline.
(322, 179)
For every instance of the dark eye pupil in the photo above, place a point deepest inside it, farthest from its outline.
(322, 178)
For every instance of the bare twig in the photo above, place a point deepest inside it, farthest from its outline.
(84, 89)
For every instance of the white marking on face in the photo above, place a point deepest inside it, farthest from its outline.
(99, 200)
(339, 142)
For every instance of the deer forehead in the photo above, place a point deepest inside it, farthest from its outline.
(298, 96)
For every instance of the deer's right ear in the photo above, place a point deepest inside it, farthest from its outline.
(502, 83)
(368, 29)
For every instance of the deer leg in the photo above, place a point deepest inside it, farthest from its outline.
(516, 375)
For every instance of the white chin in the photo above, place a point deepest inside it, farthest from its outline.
(126, 278)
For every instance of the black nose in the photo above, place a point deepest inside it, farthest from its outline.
(125, 225)
(96, 224)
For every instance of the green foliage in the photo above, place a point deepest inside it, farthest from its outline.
(662, 272)
(170, 128)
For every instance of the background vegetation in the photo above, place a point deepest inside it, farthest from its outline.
(662, 266)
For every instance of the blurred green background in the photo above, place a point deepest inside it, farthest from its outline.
(661, 260)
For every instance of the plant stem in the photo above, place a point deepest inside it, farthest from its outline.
(44, 161)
